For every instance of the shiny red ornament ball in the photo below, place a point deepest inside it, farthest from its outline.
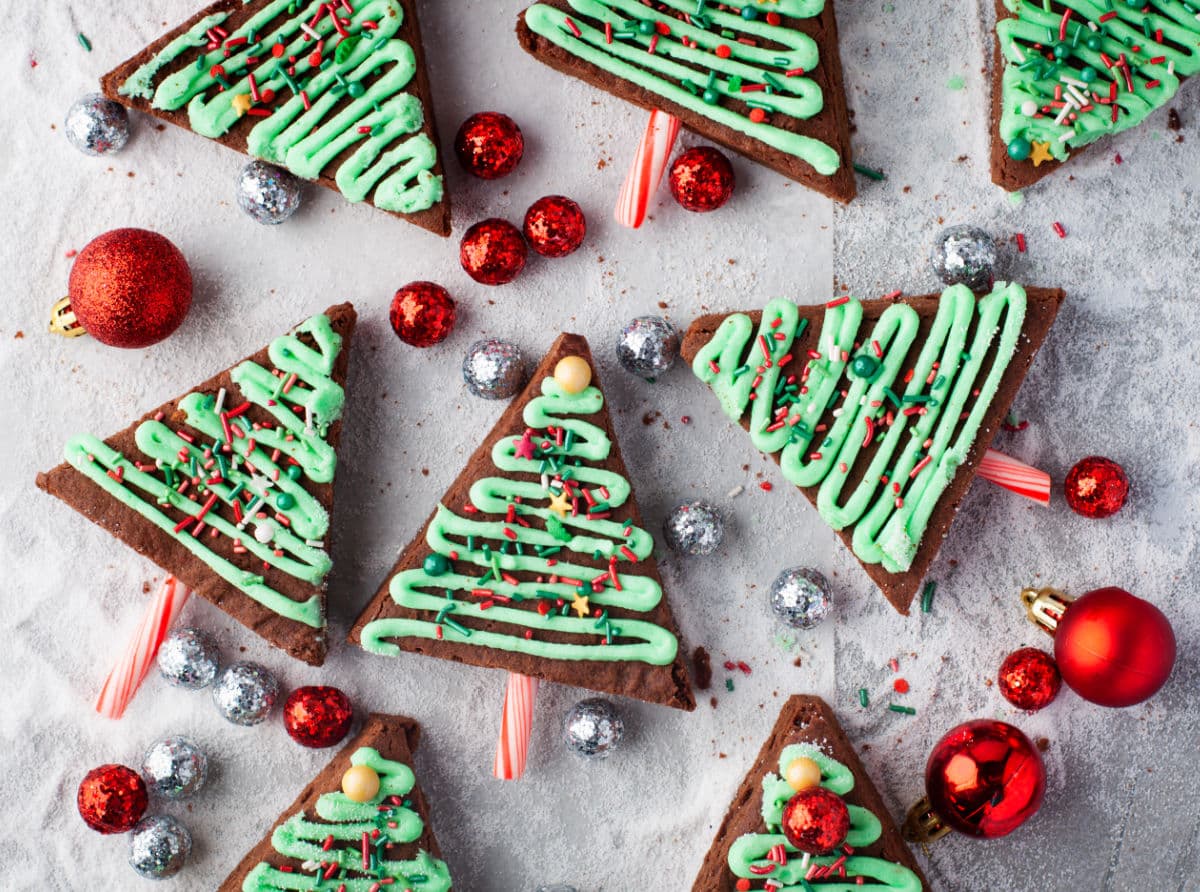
(1096, 487)
(1113, 648)
(555, 226)
(701, 179)
(422, 314)
(1029, 679)
(489, 145)
(317, 715)
(111, 799)
(816, 820)
(130, 288)
(493, 252)
(985, 779)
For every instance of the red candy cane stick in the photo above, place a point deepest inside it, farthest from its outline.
(1006, 471)
(647, 169)
(515, 727)
(127, 675)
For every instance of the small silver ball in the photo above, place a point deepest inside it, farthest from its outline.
(647, 346)
(189, 658)
(245, 693)
(694, 528)
(592, 728)
(174, 768)
(268, 194)
(494, 369)
(965, 255)
(159, 847)
(800, 598)
(96, 125)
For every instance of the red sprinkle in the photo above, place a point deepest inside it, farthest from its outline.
(1021, 242)
(765, 486)
(900, 686)
(1059, 231)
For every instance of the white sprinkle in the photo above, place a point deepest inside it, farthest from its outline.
(1016, 51)
(1062, 115)
(220, 401)
(1171, 64)
(735, 492)
(1093, 26)
(308, 420)
(264, 532)
(1073, 82)
(315, 543)
(1066, 136)
(304, 26)
(250, 512)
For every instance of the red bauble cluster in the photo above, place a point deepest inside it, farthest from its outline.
(555, 226)
(493, 252)
(816, 820)
(1029, 679)
(130, 288)
(422, 314)
(489, 145)
(1096, 487)
(317, 715)
(701, 179)
(111, 799)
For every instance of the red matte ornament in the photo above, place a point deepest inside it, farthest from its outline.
(701, 179)
(111, 799)
(317, 716)
(1029, 679)
(493, 252)
(422, 314)
(1096, 487)
(985, 779)
(816, 821)
(489, 145)
(555, 226)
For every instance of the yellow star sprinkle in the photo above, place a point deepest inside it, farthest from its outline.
(560, 504)
(1041, 152)
(241, 103)
(580, 605)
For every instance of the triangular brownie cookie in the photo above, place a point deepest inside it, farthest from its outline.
(336, 92)
(751, 852)
(326, 840)
(1066, 74)
(230, 486)
(764, 79)
(878, 410)
(536, 561)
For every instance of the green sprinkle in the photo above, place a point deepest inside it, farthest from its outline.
(555, 528)
(870, 172)
(345, 48)
(927, 596)
(458, 627)
(863, 700)
(84, 42)
(729, 684)
(903, 710)
(957, 82)
(771, 81)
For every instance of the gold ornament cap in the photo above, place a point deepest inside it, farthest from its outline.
(1045, 607)
(63, 321)
(922, 824)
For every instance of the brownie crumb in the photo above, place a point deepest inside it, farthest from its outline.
(1173, 120)
(702, 669)
(712, 701)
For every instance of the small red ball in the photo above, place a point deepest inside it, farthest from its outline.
(317, 715)
(816, 821)
(555, 226)
(493, 252)
(489, 145)
(422, 314)
(1096, 487)
(130, 288)
(1029, 679)
(701, 179)
(111, 798)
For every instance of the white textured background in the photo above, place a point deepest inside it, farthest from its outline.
(1116, 377)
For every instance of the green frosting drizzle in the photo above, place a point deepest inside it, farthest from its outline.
(916, 417)
(386, 819)
(765, 69)
(141, 82)
(257, 467)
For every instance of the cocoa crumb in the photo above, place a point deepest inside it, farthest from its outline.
(702, 669)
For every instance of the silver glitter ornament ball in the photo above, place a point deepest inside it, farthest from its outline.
(494, 369)
(800, 598)
(245, 693)
(965, 255)
(189, 658)
(174, 768)
(268, 194)
(592, 728)
(97, 126)
(648, 346)
(694, 528)
(159, 847)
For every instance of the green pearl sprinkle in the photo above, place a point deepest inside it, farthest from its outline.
(294, 472)
(285, 501)
(436, 565)
(864, 365)
(646, 26)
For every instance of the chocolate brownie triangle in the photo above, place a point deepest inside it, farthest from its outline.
(318, 842)
(1065, 75)
(336, 92)
(764, 79)
(535, 561)
(230, 486)
(750, 852)
(879, 410)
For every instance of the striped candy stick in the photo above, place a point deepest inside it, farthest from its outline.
(515, 727)
(1006, 471)
(127, 675)
(647, 169)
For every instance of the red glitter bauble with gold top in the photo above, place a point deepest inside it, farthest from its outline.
(816, 820)
(489, 145)
(111, 799)
(317, 715)
(1029, 679)
(1096, 487)
(555, 226)
(701, 179)
(493, 252)
(422, 314)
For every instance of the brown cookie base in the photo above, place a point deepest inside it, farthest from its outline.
(901, 588)
(65, 482)
(666, 685)
(436, 219)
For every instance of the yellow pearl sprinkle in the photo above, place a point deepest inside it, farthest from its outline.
(360, 783)
(573, 374)
(803, 773)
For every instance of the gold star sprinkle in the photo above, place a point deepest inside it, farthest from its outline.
(241, 103)
(580, 605)
(1041, 152)
(560, 504)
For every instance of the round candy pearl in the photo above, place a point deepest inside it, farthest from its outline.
(646, 26)
(1062, 50)
(264, 532)
(1029, 107)
(436, 565)
(285, 501)
(360, 783)
(1020, 148)
(1087, 74)
(864, 366)
(749, 13)
(803, 773)
(573, 374)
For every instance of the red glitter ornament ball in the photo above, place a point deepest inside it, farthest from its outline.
(1096, 487)
(489, 145)
(130, 288)
(816, 821)
(985, 779)
(111, 799)
(1113, 648)
(1029, 679)
(701, 179)
(422, 314)
(493, 252)
(555, 226)
(317, 715)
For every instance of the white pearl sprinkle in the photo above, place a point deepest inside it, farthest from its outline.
(264, 532)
